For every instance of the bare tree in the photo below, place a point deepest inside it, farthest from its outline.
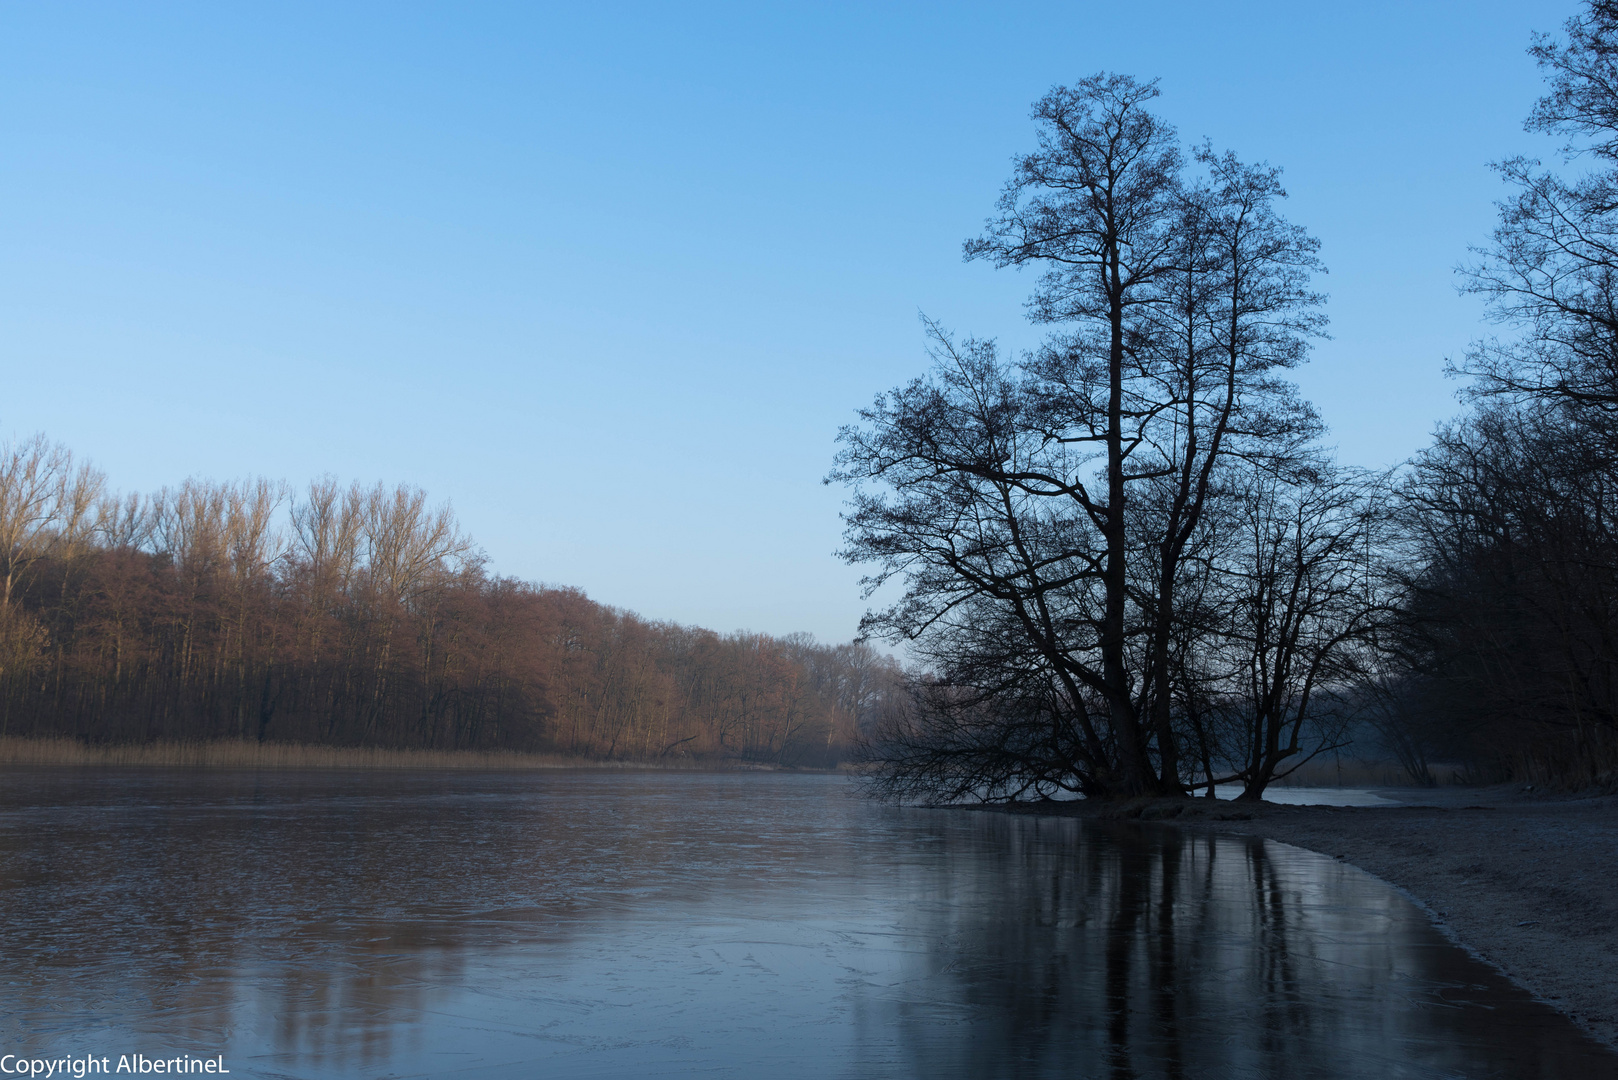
(123, 522)
(407, 545)
(1298, 599)
(1041, 514)
(1551, 273)
(327, 527)
(36, 478)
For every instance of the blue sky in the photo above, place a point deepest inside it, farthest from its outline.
(609, 277)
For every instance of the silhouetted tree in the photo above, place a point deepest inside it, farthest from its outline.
(1042, 514)
(1287, 621)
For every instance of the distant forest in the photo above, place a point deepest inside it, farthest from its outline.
(363, 616)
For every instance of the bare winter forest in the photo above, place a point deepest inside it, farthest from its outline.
(355, 616)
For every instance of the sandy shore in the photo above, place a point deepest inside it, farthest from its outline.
(1528, 883)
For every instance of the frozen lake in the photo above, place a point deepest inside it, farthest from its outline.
(604, 924)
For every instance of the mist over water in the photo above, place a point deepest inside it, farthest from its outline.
(590, 924)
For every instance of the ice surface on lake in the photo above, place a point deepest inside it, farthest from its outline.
(587, 924)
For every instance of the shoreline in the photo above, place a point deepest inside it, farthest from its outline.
(18, 751)
(1527, 884)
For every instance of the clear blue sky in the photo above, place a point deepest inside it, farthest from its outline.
(610, 276)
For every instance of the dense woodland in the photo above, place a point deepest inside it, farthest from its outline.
(1128, 561)
(363, 616)
(1506, 654)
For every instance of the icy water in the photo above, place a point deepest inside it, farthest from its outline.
(587, 924)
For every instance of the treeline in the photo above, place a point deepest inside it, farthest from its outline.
(363, 616)
(1128, 562)
(1507, 652)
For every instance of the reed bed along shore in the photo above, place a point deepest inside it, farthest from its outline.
(246, 754)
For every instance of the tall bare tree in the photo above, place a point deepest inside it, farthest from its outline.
(1041, 513)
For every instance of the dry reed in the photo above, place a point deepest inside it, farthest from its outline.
(244, 754)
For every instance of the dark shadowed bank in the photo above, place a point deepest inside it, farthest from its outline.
(1523, 881)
